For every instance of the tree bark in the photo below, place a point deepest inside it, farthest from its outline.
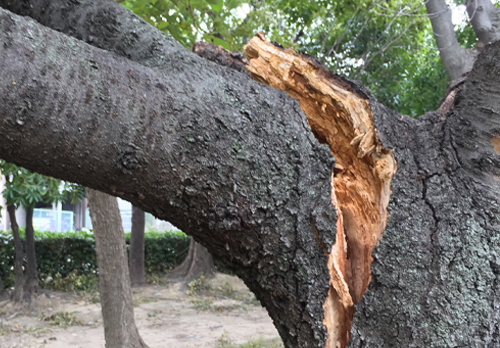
(136, 257)
(239, 192)
(244, 175)
(485, 19)
(17, 294)
(456, 60)
(197, 262)
(31, 286)
(114, 282)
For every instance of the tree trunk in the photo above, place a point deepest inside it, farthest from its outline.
(485, 19)
(120, 330)
(244, 175)
(17, 294)
(31, 286)
(136, 257)
(456, 60)
(197, 262)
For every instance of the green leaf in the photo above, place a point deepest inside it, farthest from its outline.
(216, 41)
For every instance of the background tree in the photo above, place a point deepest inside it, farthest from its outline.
(484, 18)
(24, 188)
(114, 279)
(387, 45)
(197, 262)
(136, 257)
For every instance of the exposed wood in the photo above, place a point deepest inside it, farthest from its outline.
(435, 273)
(341, 117)
(496, 144)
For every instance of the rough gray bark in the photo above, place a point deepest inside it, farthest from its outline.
(485, 19)
(120, 330)
(456, 60)
(435, 275)
(237, 193)
(31, 286)
(17, 294)
(436, 272)
(136, 252)
(197, 262)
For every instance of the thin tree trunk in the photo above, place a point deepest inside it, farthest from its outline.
(136, 257)
(197, 262)
(17, 294)
(485, 19)
(31, 286)
(456, 60)
(120, 330)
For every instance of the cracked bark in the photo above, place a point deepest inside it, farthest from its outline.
(244, 176)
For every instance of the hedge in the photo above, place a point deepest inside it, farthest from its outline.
(64, 252)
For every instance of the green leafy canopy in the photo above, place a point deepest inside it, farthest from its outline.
(24, 188)
(387, 44)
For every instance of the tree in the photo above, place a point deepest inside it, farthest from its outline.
(387, 45)
(136, 258)
(24, 188)
(17, 294)
(114, 282)
(485, 20)
(197, 262)
(234, 164)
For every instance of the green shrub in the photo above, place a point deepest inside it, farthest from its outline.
(80, 283)
(66, 252)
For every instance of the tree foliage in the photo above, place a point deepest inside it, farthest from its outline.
(388, 45)
(25, 188)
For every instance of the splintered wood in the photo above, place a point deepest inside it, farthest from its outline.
(342, 118)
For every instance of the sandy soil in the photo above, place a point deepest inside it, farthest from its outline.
(165, 316)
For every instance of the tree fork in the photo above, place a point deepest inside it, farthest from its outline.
(341, 117)
(435, 274)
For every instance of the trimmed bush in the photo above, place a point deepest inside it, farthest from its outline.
(66, 252)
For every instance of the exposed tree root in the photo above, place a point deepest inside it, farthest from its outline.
(340, 116)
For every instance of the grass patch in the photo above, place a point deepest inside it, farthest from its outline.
(207, 287)
(225, 342)
(202, 305)
(63, 319)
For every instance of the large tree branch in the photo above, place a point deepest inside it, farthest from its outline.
(103, 24)
(248, 195)
(241, 173)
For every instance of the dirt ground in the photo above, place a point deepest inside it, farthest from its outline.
(225, 314)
